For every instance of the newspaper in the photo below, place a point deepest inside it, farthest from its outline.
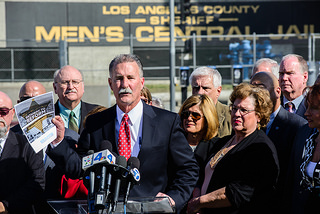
(35, 119)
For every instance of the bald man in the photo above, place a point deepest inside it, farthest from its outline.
(21, 169)
(30, 89)
(267, 65)
(281, 129)
(69, 86)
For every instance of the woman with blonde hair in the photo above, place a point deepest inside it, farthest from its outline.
(200, 122)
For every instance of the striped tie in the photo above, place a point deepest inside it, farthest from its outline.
(73, 123)
(290, 107)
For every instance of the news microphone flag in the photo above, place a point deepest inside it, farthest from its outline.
(98, 157)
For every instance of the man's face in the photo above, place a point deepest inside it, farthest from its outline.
(69, 86)
(6, 111)
(292, 81)
(126, 85)
(204, 85)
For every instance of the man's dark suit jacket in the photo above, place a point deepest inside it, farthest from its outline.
(167, 163)
(85, 108)
(53, 173)
(282, 133)
(302, 108)
(21, 175)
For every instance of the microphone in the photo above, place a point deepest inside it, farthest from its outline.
(122, 164)
(133, 172)
(103, 192)
(91, 186)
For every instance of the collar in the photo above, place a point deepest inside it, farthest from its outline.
(3, 140)
(134, 114)
(275, 113)
(66, 112)
(296, 102)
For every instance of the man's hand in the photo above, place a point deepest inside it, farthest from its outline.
(58, 122)
(160, 194)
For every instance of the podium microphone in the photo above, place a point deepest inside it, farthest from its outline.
(134, 175)
(103, 192)
(122, 163)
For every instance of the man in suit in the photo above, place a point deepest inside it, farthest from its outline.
(267, 65)
(68, 85)
(293, 77)
(282, 127)
(167, 164)
(53, 174)
(206, 80)
(21, 169)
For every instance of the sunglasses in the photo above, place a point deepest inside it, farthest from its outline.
(24, 98)
(4, 111)
(194, 115)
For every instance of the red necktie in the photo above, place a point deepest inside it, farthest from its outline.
(124, 140)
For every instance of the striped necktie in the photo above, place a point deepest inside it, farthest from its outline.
(73, 123)
(290, 107)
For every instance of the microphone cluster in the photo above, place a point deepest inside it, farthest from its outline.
(106, 176)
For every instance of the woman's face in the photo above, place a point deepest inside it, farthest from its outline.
(193, 120)
(243, 116)
(313, 115)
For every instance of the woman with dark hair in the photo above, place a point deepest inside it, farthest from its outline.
(240, 175)
(200, 122)
(310, 166)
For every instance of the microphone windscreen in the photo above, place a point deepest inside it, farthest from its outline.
(121, 161)
(90, 152)
(105, 144)
(134, 162)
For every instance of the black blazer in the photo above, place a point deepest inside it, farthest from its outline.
(167, 163)
(21, 175)
(85, 108)
(249, 172)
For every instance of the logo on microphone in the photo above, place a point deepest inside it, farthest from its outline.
(136, 174)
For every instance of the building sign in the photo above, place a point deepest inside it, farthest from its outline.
(113, 23)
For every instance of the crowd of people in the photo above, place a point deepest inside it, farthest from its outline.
(260, 154)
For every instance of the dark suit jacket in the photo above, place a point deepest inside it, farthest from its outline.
(282, 133)
(249, 172)
(21, 175)
(167, 163)
(85, 108)
(204, 150)
(301, 110)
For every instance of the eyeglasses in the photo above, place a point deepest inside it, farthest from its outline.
(194, 115)
(4, 111)
(68, 82)
(242, 111)
(24, 98)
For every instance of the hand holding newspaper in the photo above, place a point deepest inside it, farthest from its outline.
(35, 119)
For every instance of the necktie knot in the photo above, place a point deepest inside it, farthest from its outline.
(125, 118)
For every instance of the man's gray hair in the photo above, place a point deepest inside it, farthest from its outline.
(125, 58)
(207, 71)
(274, 66)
